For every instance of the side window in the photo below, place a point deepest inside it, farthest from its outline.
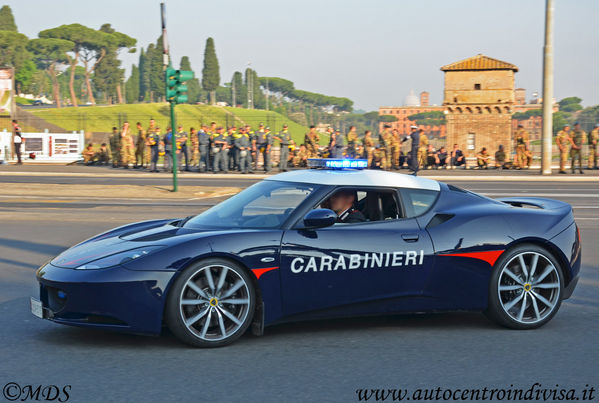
(372, 204)
(418, 201)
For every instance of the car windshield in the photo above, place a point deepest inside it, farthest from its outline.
(266, 204)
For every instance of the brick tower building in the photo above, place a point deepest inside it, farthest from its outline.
(478, 100)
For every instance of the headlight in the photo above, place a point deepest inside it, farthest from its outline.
(118, 258)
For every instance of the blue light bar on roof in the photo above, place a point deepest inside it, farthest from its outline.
(334, 163)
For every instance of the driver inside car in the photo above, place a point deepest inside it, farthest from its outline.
(342, 203)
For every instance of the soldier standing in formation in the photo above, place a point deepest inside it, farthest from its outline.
(181, 141)
(593, 141)
(140, 147)
(204, 146)
(352, 142)
(522, 145)
(153, 142)
(244, 147)
(284, 138)
(368, 143)
(563, 143)
(115, 147)
(264, 144)
(311, 140)
(385, 142)
(220, 151)
(422, 149)
(127, 146)
(577, 140)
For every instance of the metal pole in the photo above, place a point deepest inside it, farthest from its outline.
(547, 90)
(174, 147)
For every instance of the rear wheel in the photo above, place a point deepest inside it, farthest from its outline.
(211, 303)
(526, 288)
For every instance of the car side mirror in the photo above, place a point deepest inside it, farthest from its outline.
(320, 218)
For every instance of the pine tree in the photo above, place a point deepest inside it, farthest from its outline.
(239, 88)
(7, 20)
(132, 86)
(144, 77)
(210, 72)
(193, 86)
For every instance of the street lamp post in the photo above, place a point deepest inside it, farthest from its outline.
(547, 90)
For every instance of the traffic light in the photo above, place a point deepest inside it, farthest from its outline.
(175, 89)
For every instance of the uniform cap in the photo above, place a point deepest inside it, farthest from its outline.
(413, 127)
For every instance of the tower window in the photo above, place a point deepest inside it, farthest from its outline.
(477, 86)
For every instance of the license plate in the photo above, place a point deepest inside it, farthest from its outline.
(36, 307)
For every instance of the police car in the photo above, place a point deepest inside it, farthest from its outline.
(284, 250)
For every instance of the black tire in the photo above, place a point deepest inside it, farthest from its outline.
(178, 309)
(530, 311)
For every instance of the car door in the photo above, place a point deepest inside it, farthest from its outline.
(354, 267)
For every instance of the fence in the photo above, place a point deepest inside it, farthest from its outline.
(47, 147)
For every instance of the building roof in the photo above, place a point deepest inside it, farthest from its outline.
(479, 62)
(350, 177)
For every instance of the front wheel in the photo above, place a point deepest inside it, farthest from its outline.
(526, 288)
(211, 303)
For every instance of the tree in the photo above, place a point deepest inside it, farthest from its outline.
(109, 75)
(13, 49)
(278, 85)
(132, 86)
(527, 114)
(238, 88)
(431, 118)
(7, 20)
(144, 77)
(51, 54)
(259, 100)
(193, 85)
(24, 76)
(210, 72)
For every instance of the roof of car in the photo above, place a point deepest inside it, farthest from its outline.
(352, 177)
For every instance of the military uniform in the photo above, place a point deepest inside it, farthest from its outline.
(368, 143)
(204, 148)
(195, 148)
(182, 151)
(141, 157)
(221, 141)
(386, 142)
(243, 145)
(263, 146)
(301, 157)
(352, 142)
(311, 140)
(127, 153)
(115, 149)
(379, 157)
(593, 142)
(577, 140)
(284, 138)
(521, 142)
(422, 150)
(339, 148)
(153, 142)
(563, 143)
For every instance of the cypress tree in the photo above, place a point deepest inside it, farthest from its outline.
(193, 86)
(132, 86)
(210, 72)
(7, 20)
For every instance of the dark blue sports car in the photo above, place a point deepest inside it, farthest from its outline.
(320, 243)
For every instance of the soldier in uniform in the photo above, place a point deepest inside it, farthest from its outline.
(414, 148)
(395, 149)
(220, 148)
(153, 142)
(311, 140)
(422, 149)
(233, 150)
(127, 146)
(244, 146)
(593, 141)
(386, 142)
(140, 147)
(521, 147)
(563, 143)
(368, 143)
(181, 141)
(264, 144)
(168, 150)
(204, 148)
(352, 142)
(284, 138)
(379, 158)
(115, 147)
(338, 148)
(194, 161)
(301, 158)
(577, 140)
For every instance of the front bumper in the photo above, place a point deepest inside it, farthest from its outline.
(115, 298)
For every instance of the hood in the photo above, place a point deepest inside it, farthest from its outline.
(122, 239)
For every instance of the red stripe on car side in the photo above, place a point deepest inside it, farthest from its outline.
(259, 272)
(490, 256)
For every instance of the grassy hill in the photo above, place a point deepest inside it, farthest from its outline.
(103, 118)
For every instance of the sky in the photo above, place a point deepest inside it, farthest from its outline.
(373, 52)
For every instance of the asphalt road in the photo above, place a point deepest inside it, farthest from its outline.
(301, 362)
